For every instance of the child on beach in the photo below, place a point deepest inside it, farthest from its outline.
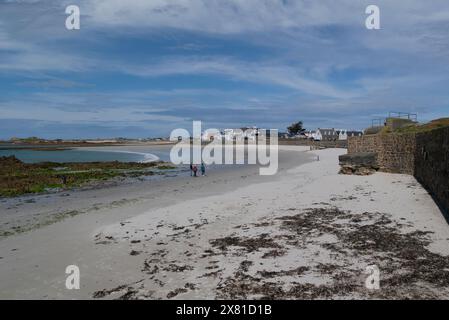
(195, 169)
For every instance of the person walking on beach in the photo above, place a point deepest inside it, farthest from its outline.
(191, 169)
(195, 169)
(203, 169)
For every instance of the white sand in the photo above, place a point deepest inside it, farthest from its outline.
(177, 254)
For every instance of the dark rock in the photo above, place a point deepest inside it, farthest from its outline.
(361, 158)
(363, 163)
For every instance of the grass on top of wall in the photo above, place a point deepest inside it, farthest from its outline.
(416, 128)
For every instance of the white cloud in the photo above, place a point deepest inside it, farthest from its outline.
(222, 17)
(240, 16)
(258, 72)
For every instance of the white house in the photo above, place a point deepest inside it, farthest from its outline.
(317, 136)
(251, 133)
(331, 134)
(342, 134)
(328, 134)
(311, 134)
(354, 133)
(248, 133)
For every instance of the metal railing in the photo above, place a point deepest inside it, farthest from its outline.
(380, 122)
(403, 115)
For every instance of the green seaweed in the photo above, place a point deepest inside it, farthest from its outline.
(17, 178)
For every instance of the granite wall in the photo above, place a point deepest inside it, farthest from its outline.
(395, 152)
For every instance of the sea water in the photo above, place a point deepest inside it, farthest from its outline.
(31, 154)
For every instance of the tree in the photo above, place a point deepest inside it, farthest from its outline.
(296, 128)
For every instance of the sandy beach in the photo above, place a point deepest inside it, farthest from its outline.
(305, 233)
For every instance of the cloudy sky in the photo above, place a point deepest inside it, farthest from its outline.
(141, 68)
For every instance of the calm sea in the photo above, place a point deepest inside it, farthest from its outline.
(90, 154)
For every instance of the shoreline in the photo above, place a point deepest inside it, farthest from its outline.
(32, 211)
(235, 235)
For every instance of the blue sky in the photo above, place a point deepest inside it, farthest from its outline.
(142, 68)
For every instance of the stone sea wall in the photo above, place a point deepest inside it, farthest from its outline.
(395, 152)
(432, 164)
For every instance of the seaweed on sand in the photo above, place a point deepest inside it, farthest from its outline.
(408, 268)
(249, 244)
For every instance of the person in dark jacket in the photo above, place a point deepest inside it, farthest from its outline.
(203, 169)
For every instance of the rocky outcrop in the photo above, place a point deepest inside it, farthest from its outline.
(362, 163)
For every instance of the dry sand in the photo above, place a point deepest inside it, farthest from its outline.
(302, 234)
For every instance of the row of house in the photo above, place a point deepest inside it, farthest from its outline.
(331, 134)
(246, 133)
(252, 133)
